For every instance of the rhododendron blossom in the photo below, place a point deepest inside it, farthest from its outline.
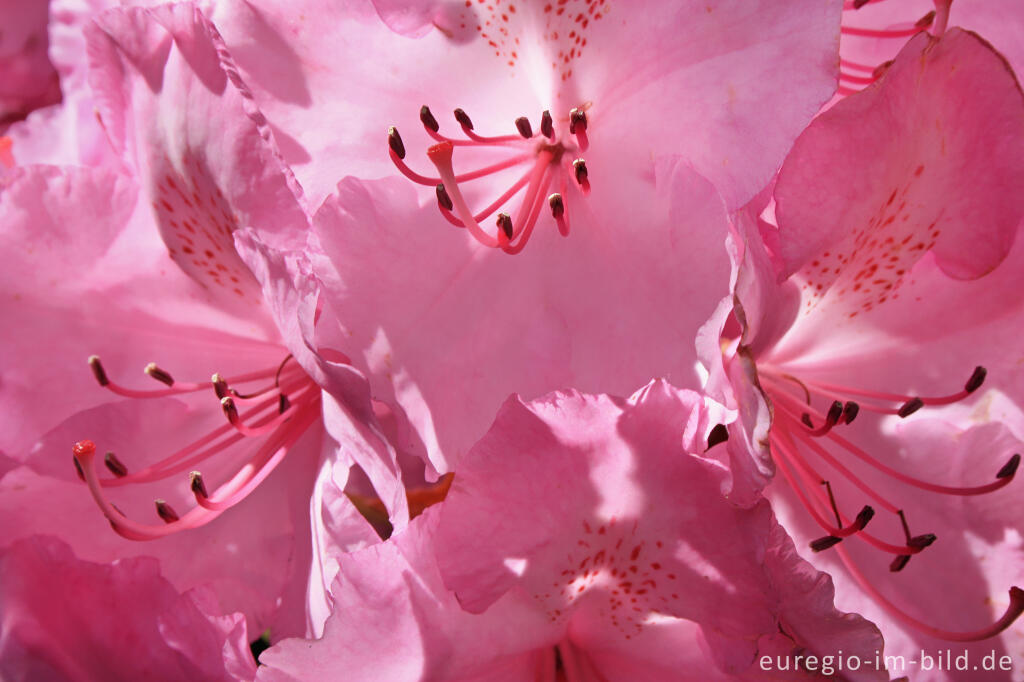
(162, 279)
(878, 296)
(315, 314)
(601, 138)
(622, 561)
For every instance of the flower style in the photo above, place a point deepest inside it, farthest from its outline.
(163, 277)
(605, 308)
(879, 294)
(623, 561)
(60, 621)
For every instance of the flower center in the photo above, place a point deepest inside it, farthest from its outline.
(547, 157)
(276, 413)
(854, 73)
(799, 428)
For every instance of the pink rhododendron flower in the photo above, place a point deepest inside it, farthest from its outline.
(612, 286)
(623, 560)
(700, 80)
(885, 284)
(68, 619)
(160, 278)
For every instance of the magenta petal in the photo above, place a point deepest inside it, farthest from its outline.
(65, 618)
(28, 79)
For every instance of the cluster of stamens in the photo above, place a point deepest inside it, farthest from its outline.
(798, 427)
(853, 76)
(543, 152)
(279, 413)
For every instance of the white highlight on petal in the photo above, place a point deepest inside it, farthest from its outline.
(516, 565)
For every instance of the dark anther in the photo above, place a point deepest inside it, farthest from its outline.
(220, 387)
(463, 118)
(577, 119)
(161, 375)
(443, 199)
(283, 403)
(428, 119)
(97, 370)
(524, 127)
(863, 516)
(230, 411)
(899, 563)
(910, 407)
(505, 224)
(395, 142)
(922, 541)
(805, 419)
(850, 411)
(1010, 468)
(547, 126)
(115, 465)
(925, 21)
(821, 544)
(835, 412)
(166, 511)
(195, 481)
(78, 467)
(719, 434)
(976, 380)
(580, 166)
(857, 4)
(557, 205)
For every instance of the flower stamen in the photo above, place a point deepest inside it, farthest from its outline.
(1013, 610)
(272, 414)
(511, 234)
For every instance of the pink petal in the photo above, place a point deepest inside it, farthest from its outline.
(891, 166)
(206, 169)
(393, 619)
(65, 618)
(28, 79)
(607, 536)
(68, 132)
(293, 295)
(89, 278)
(704, 81)
(605, 308)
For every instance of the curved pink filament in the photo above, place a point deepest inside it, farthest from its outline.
(1013, 611)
